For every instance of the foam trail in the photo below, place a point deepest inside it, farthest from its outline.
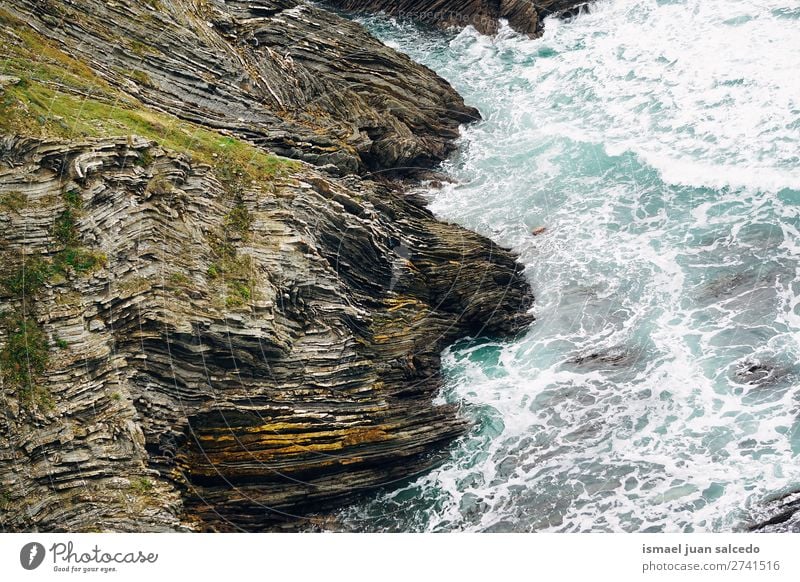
(659, 389)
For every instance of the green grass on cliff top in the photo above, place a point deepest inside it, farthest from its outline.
(60, 97)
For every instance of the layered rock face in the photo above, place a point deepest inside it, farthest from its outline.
(196, 334)
(523, 16)
(295, 79)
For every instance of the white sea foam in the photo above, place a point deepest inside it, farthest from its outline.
(658, 142)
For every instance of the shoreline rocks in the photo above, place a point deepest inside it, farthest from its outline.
(524, 16)
(292, 78)
(226, 341)
(781, 514)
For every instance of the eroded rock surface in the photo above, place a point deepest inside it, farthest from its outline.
(523, 16)
(196, 340)
(301, 81)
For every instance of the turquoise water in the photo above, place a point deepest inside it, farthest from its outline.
(659, 389)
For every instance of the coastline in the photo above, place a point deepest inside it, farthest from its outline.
(231, 301)
(771, 504)
(227, 339)
(522, 15)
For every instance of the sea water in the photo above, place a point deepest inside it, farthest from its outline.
(657, 141)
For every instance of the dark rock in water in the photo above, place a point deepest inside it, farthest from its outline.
(504, 526)
(764, 372)
(737, 283)
(507, 467)
(616, 356)
(753, 372)
(570, 10)
(783, 515)
(197, 334)
(522, 15)
(726, 285)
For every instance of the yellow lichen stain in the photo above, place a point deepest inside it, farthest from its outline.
(395, 304)
(275, 446)
(352, 460)
(365, 435)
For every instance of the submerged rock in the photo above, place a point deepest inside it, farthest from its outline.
(765, 372)
(522, 15)
(613, 356)
(782, 515)
(194, 332)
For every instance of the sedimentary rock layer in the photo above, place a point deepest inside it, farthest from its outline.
(197, 334)
(523, 16)
(300, 81)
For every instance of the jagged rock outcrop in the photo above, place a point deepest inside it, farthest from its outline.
(523, 16)
(317, 385)
(300, 81)
(196, 334)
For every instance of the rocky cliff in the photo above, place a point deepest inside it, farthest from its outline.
(524, 16)
(196, 331)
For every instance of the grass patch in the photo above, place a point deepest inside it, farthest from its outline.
(139, 48)
(35, 109)
(145, 158)
(142, 485)
(73, 257)
(65, 228)
(73, 199)
(141, 77)
(31, 56)
(179, 280)
(34, 272)
(81, 261)
(235, 270)
(60, 96)
(179, 283)
(5, 498)
(160, 185)
(28, 279)
(24, 359)
(135, 285)
(239, 220)
(239, 294)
